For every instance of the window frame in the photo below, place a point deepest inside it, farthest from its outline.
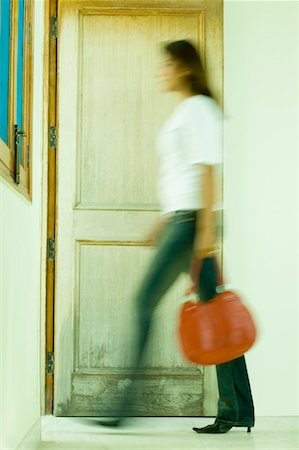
(7, 152)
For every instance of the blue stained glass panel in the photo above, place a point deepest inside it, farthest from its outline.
(4, 67)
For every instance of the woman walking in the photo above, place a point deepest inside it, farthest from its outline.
(189, 146)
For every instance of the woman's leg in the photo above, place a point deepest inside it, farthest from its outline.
(173, 256)
(235, 404)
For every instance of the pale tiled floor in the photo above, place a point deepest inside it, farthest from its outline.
(269, 433)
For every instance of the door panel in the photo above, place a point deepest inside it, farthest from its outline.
(110, 111)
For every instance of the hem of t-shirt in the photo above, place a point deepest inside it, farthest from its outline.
(170, 212)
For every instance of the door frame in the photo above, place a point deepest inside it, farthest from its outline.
(48, 208)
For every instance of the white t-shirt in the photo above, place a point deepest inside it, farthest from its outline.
(192, 135)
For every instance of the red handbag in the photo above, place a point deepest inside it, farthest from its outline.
(217, 331)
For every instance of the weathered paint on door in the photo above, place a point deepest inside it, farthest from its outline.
(110, 108)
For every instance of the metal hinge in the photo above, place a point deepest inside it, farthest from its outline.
(50, 362)
(51, 249)
(28, 155)
(54, 27)
(52, 137)
(29, 34)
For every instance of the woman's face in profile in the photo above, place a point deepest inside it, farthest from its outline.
(169, 74)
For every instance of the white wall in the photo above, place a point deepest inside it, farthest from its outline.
(20, 226)
(261, 223)
(261, 89)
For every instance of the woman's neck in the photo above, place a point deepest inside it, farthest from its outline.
(185, 94)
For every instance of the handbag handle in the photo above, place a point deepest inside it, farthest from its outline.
(196, 267)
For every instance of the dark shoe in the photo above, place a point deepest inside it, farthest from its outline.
(116, 421)
(217, 428)
(109, 422)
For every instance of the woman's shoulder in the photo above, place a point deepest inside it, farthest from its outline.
(202, 103)
(200, 107)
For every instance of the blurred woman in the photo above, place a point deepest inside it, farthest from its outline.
(189, 148)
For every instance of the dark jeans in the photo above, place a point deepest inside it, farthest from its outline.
(173, 256)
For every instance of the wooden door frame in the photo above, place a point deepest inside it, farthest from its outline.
(49, 211)
(49, 202)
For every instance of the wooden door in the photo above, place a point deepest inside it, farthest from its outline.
(110, 109)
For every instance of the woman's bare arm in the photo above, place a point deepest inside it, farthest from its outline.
(205, 228)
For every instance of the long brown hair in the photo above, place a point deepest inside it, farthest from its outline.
(185, 53)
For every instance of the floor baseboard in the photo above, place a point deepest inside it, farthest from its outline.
(32, 440)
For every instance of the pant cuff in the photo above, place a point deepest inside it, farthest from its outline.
(237, 423)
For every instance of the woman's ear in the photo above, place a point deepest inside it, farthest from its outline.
(185, 70)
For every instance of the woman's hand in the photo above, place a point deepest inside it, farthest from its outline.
(204, 242)
(204, 246)
(155, 232)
